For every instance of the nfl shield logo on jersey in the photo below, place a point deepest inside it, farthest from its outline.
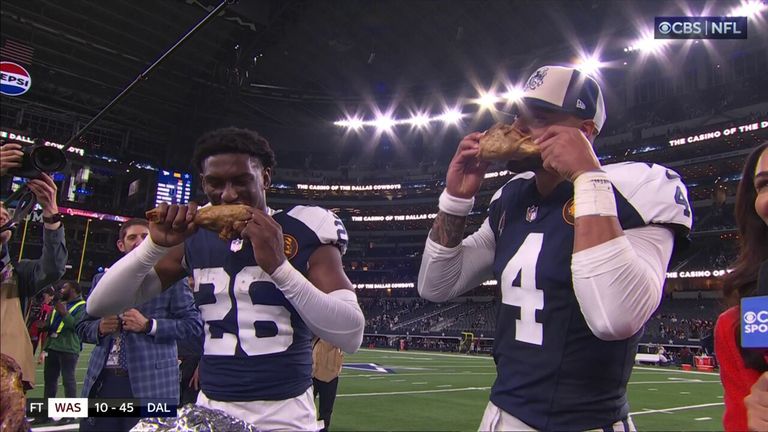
(530, 214)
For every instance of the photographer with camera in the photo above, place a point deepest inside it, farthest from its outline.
(22, 279)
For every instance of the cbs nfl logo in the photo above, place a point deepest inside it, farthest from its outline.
(705, 27)
(14, 79)
(754, 322)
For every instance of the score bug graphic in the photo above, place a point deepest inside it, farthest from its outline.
(14, 79)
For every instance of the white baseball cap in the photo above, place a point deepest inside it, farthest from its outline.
(566, 89)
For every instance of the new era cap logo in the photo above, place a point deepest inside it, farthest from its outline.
(580, 104)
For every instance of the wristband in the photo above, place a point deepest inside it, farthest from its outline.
(455, 206)
(593, 195)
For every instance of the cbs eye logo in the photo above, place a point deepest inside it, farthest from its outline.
(750, 317)
(665, 27)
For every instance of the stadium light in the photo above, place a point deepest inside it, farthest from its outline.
(487, 100)
(452, 116)
(419, 120)
(355, 123)
(589, 65)
(647, 44)
(384, 123)
(748, 9)
(513, 94)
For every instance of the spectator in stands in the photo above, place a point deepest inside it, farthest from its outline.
(38, 316)
(740, 368)
(135, 354)
(22, 279)
(584, 291)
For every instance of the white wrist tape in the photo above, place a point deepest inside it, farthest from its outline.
(455, 206)
(593, 195)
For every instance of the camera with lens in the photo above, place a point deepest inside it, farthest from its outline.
(38, 159)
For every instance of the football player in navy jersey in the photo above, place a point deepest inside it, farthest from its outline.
(261, 296)
(580, 251)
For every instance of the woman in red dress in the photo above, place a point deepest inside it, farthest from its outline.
(741, 368)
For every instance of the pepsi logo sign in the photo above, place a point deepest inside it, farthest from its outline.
(14, 79)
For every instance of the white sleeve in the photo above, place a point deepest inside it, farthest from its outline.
(619, 283)
(131, 281)
(447, 273)
(335, 317)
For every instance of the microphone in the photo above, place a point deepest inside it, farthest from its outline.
(754, 314)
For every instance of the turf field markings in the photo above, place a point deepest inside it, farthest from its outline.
(422, 374)
(444, 385)
(703, 418)
(400, 380)
(461, 356)
(419, 383)
(376, 377)
(653, 389)
(415, 392)
(719, 397)
(674, 371)
(673, 382)
(685, 392)
(670, 410)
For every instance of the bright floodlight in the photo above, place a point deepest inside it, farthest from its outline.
(355, 123)
(648, 44)
(384, 123)
(342, 123)
(748, 9)
(419, 120)
(487, 100)
(452, 116)
(514, 94)
(589, 65)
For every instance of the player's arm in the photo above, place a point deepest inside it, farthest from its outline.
(451, 266)
(153, 266)
(325, 299)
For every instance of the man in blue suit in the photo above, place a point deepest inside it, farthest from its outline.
(135, 354)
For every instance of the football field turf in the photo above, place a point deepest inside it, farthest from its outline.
(440, 391)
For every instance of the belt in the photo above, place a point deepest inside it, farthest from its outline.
(116, 372)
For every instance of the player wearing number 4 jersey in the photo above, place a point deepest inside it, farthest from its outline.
(261, 296)
(580, 251)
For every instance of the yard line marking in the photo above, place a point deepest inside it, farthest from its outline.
(415, 392)
(376, 377)
(675, 371)
(423, 374)
(409, 358)
(719, 397)
(703, 418)
(685, 392)
(670, 382)
(444, 385)
(670, 410)
(398, 380)
(419, 383)
(462, 356)
(653, 389)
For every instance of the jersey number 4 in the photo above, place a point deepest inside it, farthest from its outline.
(525, 295)
(247, 314)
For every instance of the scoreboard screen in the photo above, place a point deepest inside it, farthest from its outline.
(173, 187)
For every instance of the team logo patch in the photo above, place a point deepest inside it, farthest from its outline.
(531, 213)
(568, 212)
(290, 246)
(15, 79)
(537, 79)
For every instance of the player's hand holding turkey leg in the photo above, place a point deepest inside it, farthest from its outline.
(466, 171)
(266, 236)
(172, 224)
(567, 151)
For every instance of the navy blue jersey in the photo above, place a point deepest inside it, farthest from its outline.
(256, 346)
(553, 372)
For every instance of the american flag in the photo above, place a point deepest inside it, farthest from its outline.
(12, 50)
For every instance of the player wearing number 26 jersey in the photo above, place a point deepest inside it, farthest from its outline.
(579, 250)
(256, 344)
(262, 295)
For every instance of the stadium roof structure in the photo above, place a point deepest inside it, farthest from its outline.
(290, 67)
